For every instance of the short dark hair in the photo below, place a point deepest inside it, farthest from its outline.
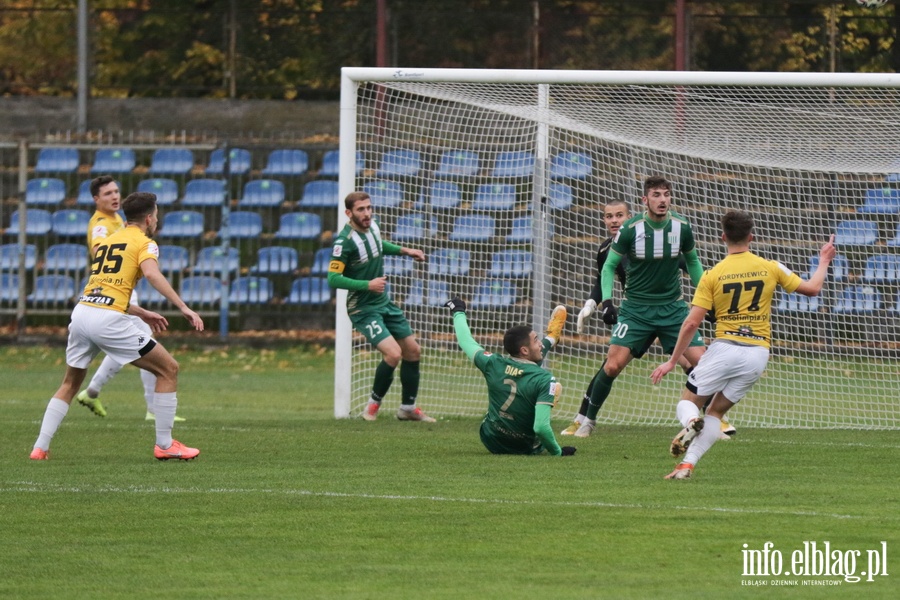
(138, 205)
(616, 201)
(354, 197)
(516, 337)
(99, 182)
(656, 181)
(737, 225)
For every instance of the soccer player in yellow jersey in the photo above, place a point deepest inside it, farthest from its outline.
(101, 321)
(104, 222)
(739, 289)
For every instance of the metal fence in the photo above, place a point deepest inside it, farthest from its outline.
(245, 227)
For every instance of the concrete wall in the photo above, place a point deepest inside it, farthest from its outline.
(30, 116)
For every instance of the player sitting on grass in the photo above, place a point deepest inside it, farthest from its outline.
(739, 289)
(521, 393)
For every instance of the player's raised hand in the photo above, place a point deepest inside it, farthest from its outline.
(610, 314)
(378, 284)
(456, 305)
(828, 250)
(585, 314)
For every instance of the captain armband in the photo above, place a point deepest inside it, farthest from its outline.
(336, 266)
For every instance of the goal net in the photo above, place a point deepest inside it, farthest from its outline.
(501, 178)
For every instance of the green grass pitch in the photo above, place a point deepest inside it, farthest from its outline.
(287, 502)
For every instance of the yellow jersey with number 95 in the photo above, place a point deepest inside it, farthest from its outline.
(116, 268)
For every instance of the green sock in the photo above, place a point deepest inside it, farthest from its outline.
(409, 379)
(384, 376)
(602, 386)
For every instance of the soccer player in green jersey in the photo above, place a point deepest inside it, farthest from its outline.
(357, 265)
(739, 289)
(654, 244)
(521, 392)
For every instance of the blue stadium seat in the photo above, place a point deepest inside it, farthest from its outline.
(438, 293)
(250, 290)
(883, 201)
(896, 307)
(201, 291)
(401, 162)
(204, 192)
(384, 194)
(840, 267)
(45, 191)
(494, 293)
(66, 257)
(37, 222)
(856, 233)
(9, 288)
(516, 164)
(322, 193)
(173, 259)
(84, 194)
(416, 294)
(9, 257)
(882, 269)
(52, 289)
(171, 161)
(559, 195)
(239, 162)
(113, 160)
(299, 226)
(57, 160)
(858, 299)
(243, 225)
(495, 196)
(331, 163)
(521, 232)
(214, 259)
(570, 165)
(182, 223)
(262, 193)
(511, 263)
(310, 290)
(284, 162)
(166, 190)
(792, 303)
(148, 296)
(458, 163)
(442, 195)
(277, 260)
(449, 261)
(896, 241)
(411, 227)
(70, 222)
(321, 260)
(398, 265)
(472, 228)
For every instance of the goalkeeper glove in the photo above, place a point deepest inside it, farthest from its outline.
(568, 450)
(610, 314)
(710, 316)
(456, 305)
(585, 314)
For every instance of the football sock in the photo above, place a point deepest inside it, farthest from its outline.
(685, 411)
(602, 387)
(53, 416)
(106, 371)
(148, 379)
(409, 379)
(704, 440)
(165, 404)
(586, 399)
(384, 376)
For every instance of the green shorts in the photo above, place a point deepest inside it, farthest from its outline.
(498, 443)
(379, 324)
(640, 324)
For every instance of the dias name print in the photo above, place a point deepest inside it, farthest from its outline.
(820, 560)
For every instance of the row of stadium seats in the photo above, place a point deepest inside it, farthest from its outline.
(852, 300)
(397, 162)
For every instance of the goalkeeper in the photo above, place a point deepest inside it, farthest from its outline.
(521, 393)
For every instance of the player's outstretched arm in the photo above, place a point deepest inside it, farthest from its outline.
(817, 280)
(150, 269)
(464, 337)
(544, 431)
(156, 321)
(688, 329)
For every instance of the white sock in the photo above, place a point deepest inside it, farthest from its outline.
(408, 407)
(149, 381)
(107, 369)
(686, 411)
(165, 405)
(704, 440)
(53, 417)
(579, 419)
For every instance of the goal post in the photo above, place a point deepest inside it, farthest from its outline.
(501, 177)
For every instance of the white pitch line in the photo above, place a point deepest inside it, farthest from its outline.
(35, 487)
(829, 444)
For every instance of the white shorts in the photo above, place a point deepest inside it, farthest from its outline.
(728, 368)
(116, 334)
